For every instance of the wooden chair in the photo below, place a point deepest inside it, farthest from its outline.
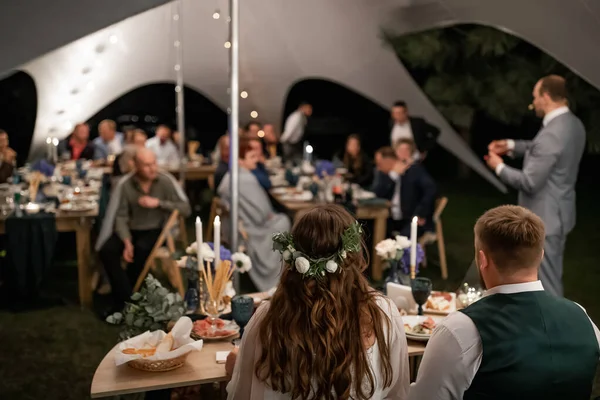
(159, 252)
(438, 235)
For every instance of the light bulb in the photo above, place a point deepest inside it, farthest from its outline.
(227, 45)
(177, 89)
(48, 140)
(216, 14)
(254, 114)
(176, 17)
(113, 39)
(55, 141)
(309, 149)
(177, 67)
(69, 125)
(261, 133)
(90, 85)
(244, 94)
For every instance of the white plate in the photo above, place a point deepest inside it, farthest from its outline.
(365, 195)
(229, 326)
(451, 309)
(413, 320)
(81, 207)
(279, 190)
(300, 197)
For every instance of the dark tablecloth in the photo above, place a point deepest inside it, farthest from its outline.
(30, 243)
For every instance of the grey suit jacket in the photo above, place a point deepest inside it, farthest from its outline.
(547, 182)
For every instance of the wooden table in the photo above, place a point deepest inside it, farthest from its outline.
(81, 224)
(379, 214)
(192, 172)
(199, 368)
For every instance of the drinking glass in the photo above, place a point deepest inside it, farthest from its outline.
(214, 309)
(421, 289)
(242, 308)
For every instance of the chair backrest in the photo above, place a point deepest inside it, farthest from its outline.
(440, 205)
(211, 182)
(223, 212)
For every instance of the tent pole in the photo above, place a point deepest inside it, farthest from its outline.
(234, 124)
(179, 88)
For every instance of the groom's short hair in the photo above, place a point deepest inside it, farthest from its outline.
(512, 236)
(555, 86)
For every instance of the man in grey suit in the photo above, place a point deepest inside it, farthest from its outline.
(546, 184)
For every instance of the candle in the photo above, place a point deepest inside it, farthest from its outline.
(413, 246)
(199, 242)
(217, 241)
(49, 151)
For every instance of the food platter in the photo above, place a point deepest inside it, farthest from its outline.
(440, 303)
(224, 330)
(419, 327)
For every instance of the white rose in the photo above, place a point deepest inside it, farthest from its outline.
(206, 252)
(242, 262)
(331, 266)
(402, 242)
(386, 248)
(343, 254)
(287, 255)
(192, 249)
(229, 290)
(181, 263)
(302, 265)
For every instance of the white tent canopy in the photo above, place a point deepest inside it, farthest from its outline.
(281, 42)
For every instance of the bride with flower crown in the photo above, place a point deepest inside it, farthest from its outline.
(325, 334)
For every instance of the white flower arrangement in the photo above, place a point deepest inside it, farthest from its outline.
(241, 262)
(207, 253)
(229, 290)
(392, 249)
(302, 265)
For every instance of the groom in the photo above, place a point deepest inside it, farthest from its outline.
(546, 184)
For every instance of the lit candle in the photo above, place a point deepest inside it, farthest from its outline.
(199, 242)
(413, 246)
(49, 151)
(217, 241)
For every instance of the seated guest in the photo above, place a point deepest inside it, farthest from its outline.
(162, 145)
(518, 341)
(138, 140)
(325, 334)
(271, 142)
(405, 127)
(357, 162)
(252, 128)
(407, 185)
(259, 218)
(109, 142)
(8, 157)
(77, 145)
(223, 165)
(128, 132)
(138, 209)
(260, 171)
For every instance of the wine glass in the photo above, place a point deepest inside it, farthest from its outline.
(421, 289)
(214, 309)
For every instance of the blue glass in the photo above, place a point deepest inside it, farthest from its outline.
(82, 173)
(192, 297)
(66, 179)
(242, 308)
(421, 289)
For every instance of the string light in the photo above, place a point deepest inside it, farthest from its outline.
(55, 141)
(113, 39)
(254, 114)
(177, 67)
(216, 14)
(90, 85)
(176, 17)
(227, 44)
(48, 140)
(244, 94)
(69, 125)
(309, 149)
(177, 89)
(261, 133)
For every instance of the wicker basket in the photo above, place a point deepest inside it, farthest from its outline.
(158, 365)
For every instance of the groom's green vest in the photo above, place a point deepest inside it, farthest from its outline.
(535, 347)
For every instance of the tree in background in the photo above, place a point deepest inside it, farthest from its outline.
(470, 69)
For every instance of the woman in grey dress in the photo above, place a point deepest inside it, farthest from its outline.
(259, 218)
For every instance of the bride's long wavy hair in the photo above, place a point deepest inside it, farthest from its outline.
(315, 332)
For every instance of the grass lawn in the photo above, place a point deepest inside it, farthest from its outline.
(52, 354)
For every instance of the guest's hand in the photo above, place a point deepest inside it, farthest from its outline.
(230, 362)
(499, 147)
(128, 251)
(421, 221)
(148, 202)
(493, 160)
(400, 167)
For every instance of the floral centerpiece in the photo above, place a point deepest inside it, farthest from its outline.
(396, 253)
(194, 295)
(149, 309)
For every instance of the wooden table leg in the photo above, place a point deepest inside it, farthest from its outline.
(83, 262)
(378, 235)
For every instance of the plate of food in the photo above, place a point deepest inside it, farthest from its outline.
(299, 197)
(440, 303)
(222, 330)
(279, 190)
(419, 327)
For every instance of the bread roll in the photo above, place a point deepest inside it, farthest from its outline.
(166, 344)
